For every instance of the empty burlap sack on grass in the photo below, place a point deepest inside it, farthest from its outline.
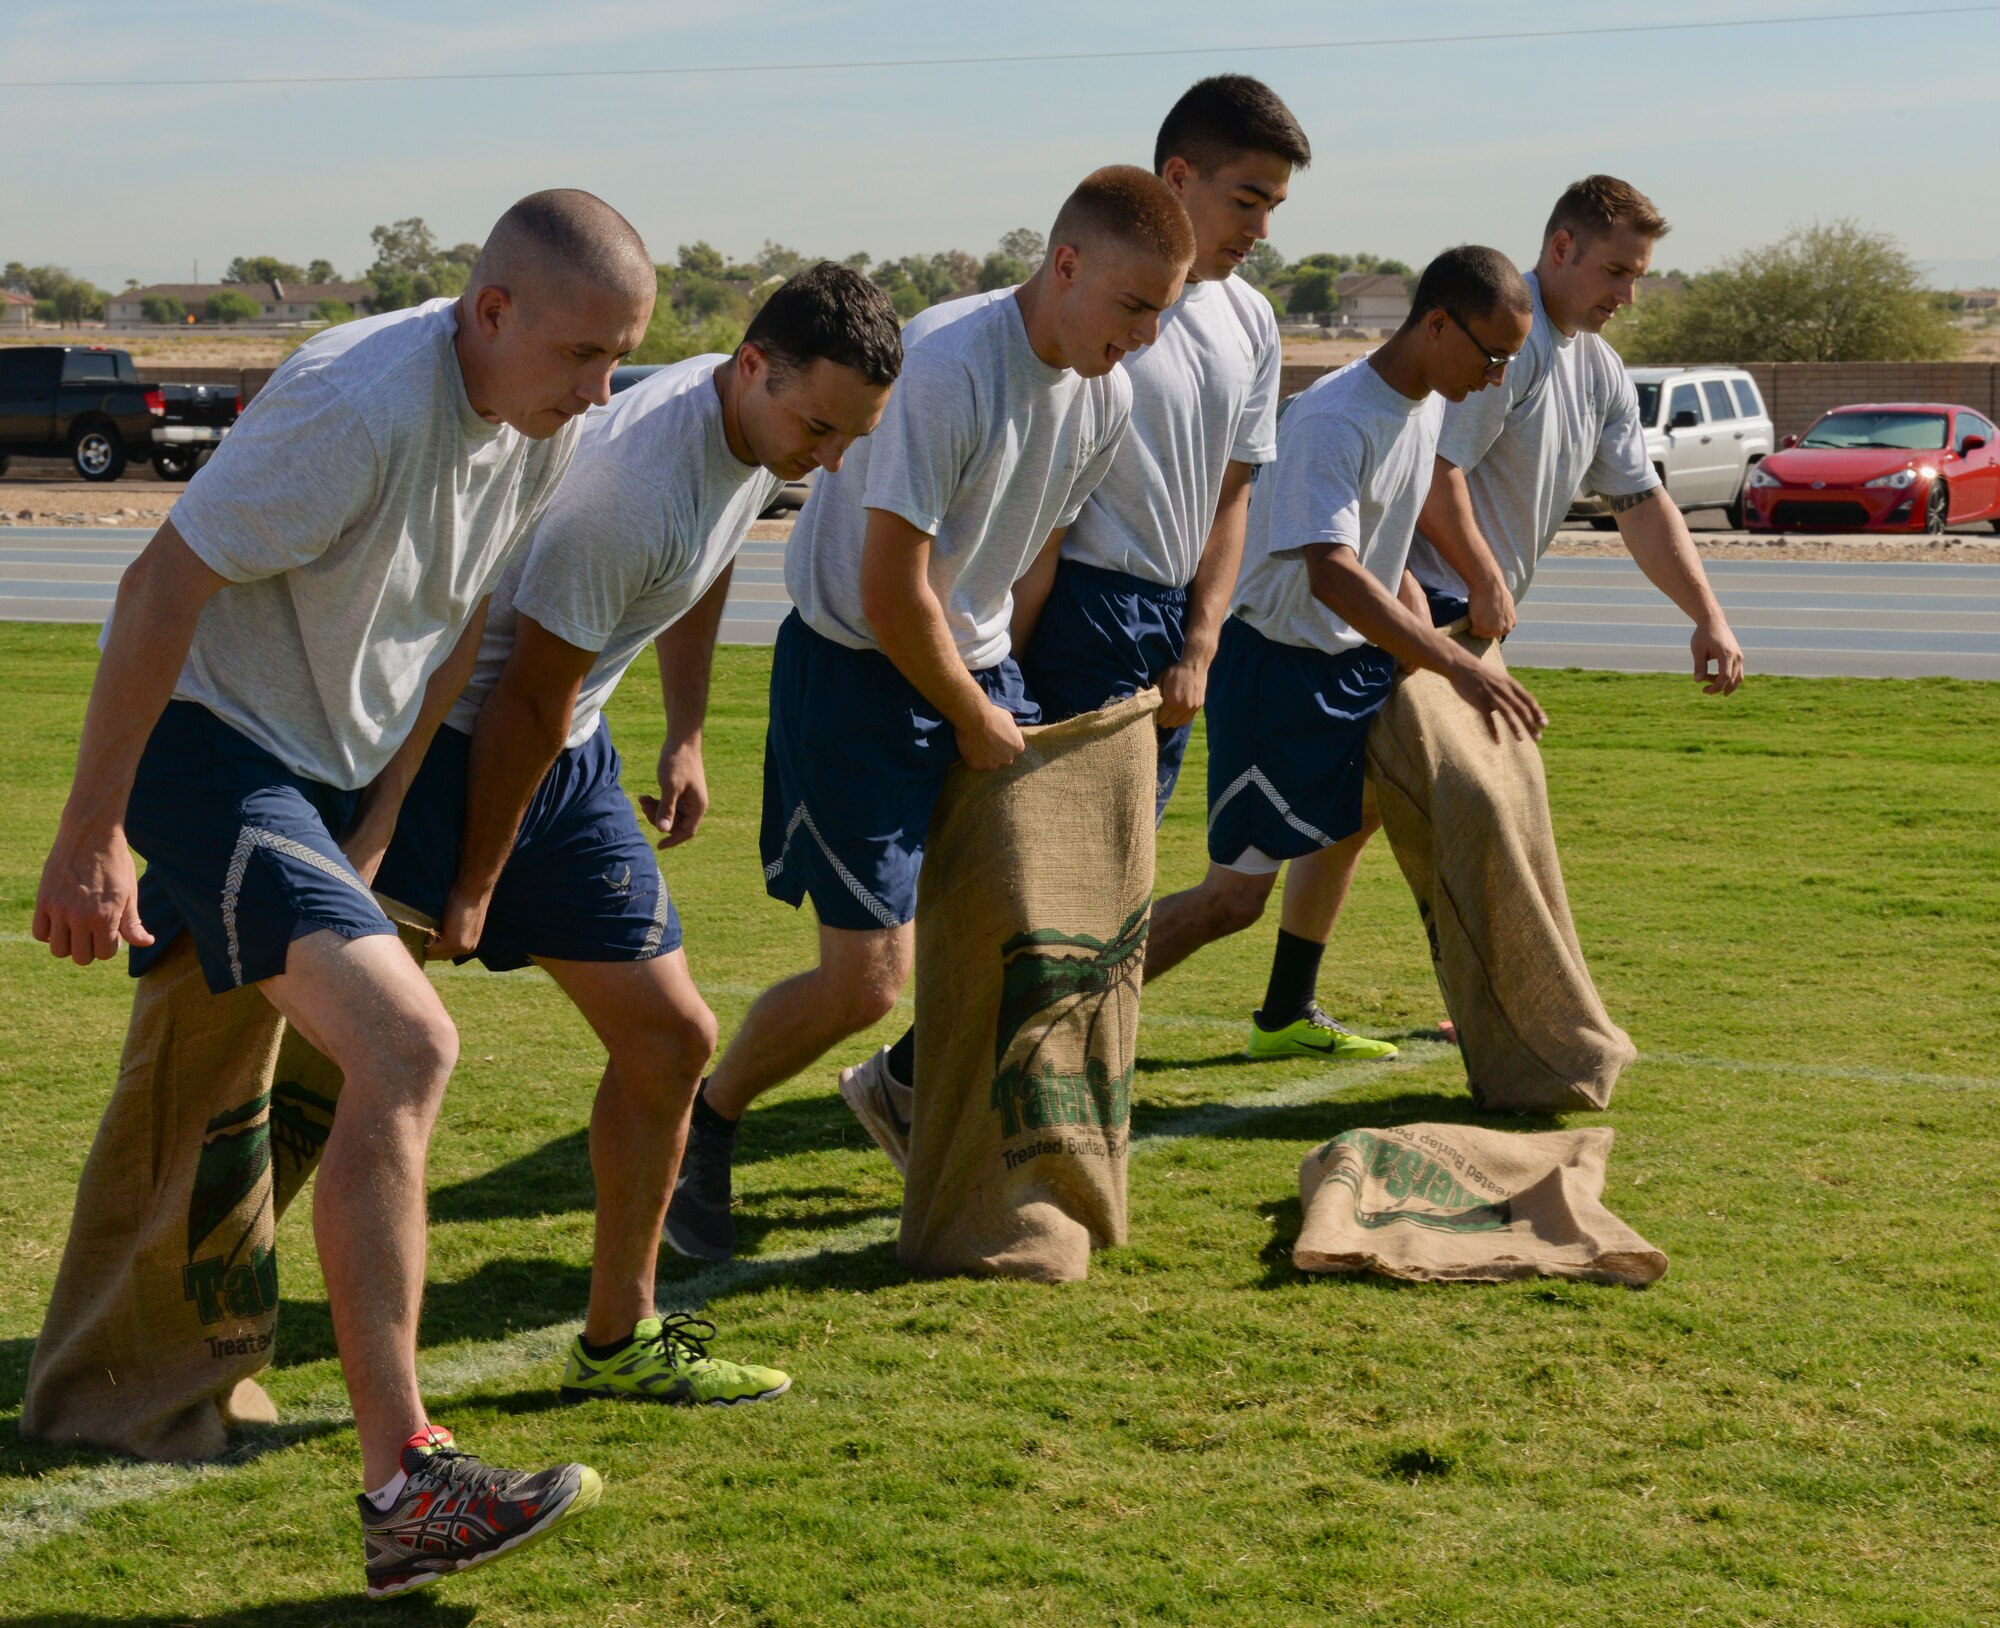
(1455, 1203)
(1468, 819)
(166, 1301)
(1031, 940)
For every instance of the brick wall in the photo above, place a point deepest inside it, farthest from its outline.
(1796, 393)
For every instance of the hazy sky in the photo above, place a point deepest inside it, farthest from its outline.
(1737, 133)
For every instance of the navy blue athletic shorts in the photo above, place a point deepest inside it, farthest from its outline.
(581, 883)
(1446, 607)
(853, 764)
(1287, 745)
(1105, 635)
(239, 851)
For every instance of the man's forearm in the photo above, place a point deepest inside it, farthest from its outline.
(1449, 525)
(160, 599)
(1656, 535)
(1341, 584)
(917, 638)
(516, 739)
(686, 653)
(1214, 583)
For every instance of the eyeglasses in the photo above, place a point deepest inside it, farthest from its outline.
(1495, 360)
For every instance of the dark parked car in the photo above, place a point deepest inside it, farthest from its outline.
(81, 402)
(87, 403)
(795, 492)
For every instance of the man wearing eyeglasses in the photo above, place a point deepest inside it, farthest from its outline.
(1325, 610)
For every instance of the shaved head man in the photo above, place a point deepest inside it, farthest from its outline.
(278, 659)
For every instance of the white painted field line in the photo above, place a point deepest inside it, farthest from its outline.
(63, 1499)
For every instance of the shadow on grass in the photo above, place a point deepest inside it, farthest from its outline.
(308, 1611)
(247, 1443)
(555, 1179)
(14, 1358)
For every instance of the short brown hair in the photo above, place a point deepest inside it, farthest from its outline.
(1125, 204)
(1593, 206)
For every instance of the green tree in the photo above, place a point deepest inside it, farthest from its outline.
(702, 299)
(162, 308)
(999, 270)
(673, 337)
(1313, 290)
(464, 254)
(908, 299)
(333, 311)
(405, 245)
(1265, 265)
(858, 262)
(780, 260)
(1024, 243)
(77, 300)
(321, 271)
(15, 278)
(262, 268)
(228, 307)
(701, 259)
(411, 266)
(1833, 292)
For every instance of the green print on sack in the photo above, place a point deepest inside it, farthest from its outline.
(235, 1164)
(1408, 1173)
(1045, 978)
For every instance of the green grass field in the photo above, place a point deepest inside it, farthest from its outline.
(1790, 898)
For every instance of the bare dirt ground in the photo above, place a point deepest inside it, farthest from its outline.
(196, 349)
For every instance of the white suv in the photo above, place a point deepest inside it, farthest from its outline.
(1705, 427)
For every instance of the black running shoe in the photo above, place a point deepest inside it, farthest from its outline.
(456, 1512)
(699, 1223)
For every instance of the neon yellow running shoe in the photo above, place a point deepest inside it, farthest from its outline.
(667, 1360)
(1314, 1035)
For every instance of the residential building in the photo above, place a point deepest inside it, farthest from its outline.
(276, 302)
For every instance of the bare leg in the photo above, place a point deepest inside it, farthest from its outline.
(367, 1006)
(660, 1035)
(1316, 886)
(795, 1023)
(1224, 902)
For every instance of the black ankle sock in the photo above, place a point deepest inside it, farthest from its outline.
(603, 1353)
(708, 1119)
(903, 1058)
(1294, 979)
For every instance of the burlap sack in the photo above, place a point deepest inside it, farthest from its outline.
(1468, 819)
(1031, 941)
(1455, 1203)
(166, 1301)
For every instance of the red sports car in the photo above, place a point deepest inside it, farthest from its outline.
(1895, 466)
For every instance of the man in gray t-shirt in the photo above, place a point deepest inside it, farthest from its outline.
(1511, 461)
(898, 661)
(1325, 610)
(518, 836)
(277, 661)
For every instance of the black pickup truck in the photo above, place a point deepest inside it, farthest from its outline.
(88, 404)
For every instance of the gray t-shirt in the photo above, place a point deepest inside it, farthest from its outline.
(1203, 395)
(653, 507)
(1565, 418)
(983, 446)
(1353, 468)
(361, 510)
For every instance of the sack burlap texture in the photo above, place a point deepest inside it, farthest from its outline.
(1458, 1203)
(166, 1302)
(1468, 820)
(1031, 938)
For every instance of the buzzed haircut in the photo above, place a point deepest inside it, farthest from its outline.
(1470, 281)
(1122, 203)
(1225, 116)
(832, 312)
(569, 235)
(1593, 206)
